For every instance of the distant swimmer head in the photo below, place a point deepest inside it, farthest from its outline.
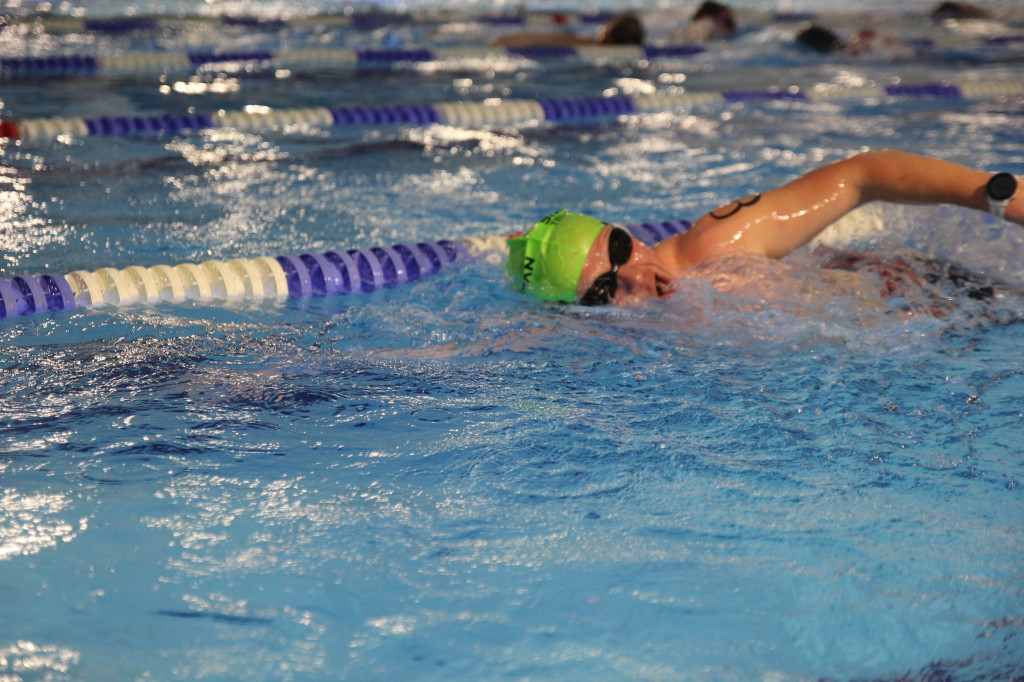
(625, 29)
(721, 18)
(547, 261)
(958, 10)
(820, 39)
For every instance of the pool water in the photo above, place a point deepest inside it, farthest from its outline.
(781, 479)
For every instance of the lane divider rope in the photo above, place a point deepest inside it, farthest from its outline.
(149, 62)
(495, 111)
(152, 62)
(305, 275)
(357, 20)
(54, 23)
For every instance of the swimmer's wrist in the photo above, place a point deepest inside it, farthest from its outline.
(999, 191)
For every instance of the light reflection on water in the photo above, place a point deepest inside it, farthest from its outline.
(33, 524)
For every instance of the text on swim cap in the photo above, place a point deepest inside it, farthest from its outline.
(553, 219)
(528, 268)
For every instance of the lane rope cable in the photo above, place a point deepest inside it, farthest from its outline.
(493, 112)
(151, 62)
(372, 20)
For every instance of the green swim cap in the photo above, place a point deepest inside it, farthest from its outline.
(547, 261)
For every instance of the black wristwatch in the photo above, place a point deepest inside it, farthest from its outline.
(1000, 189)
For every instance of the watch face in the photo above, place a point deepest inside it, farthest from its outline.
(1002, 186)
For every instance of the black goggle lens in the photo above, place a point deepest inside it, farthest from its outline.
(602, 291)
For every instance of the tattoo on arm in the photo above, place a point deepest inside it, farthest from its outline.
(736, 206)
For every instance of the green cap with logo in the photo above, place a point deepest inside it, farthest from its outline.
(547, 261)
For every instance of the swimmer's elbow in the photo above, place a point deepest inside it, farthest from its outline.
(872, 175)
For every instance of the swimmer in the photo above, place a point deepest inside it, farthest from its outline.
(711, 21)
(958, 10)
(573, 258)
(624, 29)
(866, 41)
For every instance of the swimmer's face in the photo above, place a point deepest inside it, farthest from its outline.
(725, 24)
(642, 276)
(717, 25)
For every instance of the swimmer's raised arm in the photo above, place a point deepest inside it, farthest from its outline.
(781, 220)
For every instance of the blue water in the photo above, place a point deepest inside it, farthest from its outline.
(784, 480)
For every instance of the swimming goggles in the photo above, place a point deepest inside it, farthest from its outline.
(620, 248)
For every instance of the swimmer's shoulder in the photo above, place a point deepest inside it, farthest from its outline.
(721, 232)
